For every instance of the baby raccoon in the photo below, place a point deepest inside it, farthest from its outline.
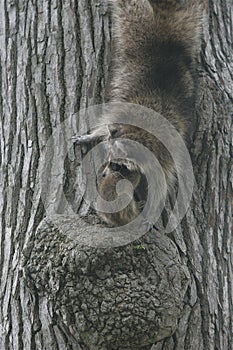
(155, 46)
(108, 189)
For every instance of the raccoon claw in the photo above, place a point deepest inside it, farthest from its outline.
(80, 139)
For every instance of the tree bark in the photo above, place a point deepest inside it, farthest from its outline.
(174, 291)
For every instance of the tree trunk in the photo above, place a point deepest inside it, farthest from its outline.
(58, 292)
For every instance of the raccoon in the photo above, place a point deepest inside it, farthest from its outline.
(155, 47)
(113, 173)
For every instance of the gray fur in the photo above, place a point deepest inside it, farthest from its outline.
(155, 45)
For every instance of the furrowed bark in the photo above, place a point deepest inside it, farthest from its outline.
(57, 293)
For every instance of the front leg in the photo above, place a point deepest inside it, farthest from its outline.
(95, 136)
(101, 133)
(84, 139)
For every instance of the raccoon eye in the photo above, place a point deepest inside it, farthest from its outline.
(115, 166)
(118, 167)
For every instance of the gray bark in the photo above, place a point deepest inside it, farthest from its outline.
(174, 291)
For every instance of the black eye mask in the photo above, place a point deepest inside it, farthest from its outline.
(118, 167)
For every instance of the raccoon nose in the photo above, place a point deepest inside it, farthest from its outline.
(103, 173)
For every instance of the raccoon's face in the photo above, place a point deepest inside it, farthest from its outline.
(112, 167)
(118, 170)
(121, 169)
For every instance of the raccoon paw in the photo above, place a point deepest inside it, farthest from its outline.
(79, 140)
